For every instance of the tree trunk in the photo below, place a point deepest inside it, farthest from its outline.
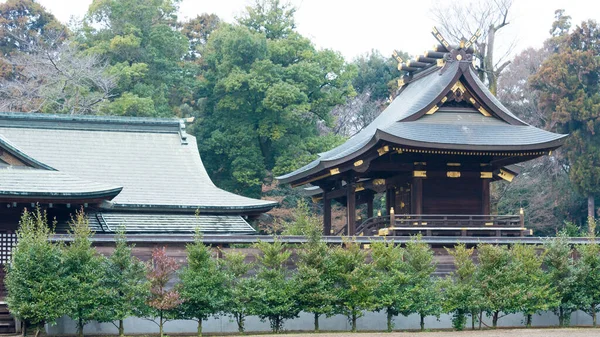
(561, 317)
(199, 327)
(24, 328)
(489, 60)
(422, 322)
(80, 327)
(591, 207)
(121, 328)
(495, 319)
(473, 318)
(594, 316)
(353, 322)
(529, 318)
(239, 318)
(160, 325)
(389, 321)
(316, 322)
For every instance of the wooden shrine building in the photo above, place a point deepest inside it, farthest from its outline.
(433, 151)
(142, 174)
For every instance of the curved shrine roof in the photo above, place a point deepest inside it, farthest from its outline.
(406, 122)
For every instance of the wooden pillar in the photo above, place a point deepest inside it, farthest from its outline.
(485, 197)
(351, 208)
(417, 196)
(326, 215)
(370, 205)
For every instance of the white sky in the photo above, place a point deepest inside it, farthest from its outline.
(355, 27)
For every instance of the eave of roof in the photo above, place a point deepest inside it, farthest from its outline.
(412, 103)
(28, 183)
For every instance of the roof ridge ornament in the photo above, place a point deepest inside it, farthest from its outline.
(463, 52)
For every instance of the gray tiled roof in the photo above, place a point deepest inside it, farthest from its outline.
(22, 182)
(111, 222)
(401, 121)
(157, 164)
(412, 99)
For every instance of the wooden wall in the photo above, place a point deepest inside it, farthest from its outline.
(452, 196)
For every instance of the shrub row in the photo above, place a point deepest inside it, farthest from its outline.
(46, 281)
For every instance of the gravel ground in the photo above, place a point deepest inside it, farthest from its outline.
(485, 333)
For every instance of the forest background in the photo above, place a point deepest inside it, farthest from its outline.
(265, 100)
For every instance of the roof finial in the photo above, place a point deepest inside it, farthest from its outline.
(473, 39)
(438, 36)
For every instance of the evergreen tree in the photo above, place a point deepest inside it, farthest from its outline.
(423, 289)
(561, 270)
(89, 295)
(35, 283)
(535, 293)
(461, 290)
(313, 279)
(203, 284)
(588, 278)
(278, 295)
(242, 290)
(127, 283)
(354, 282)
(391, 293)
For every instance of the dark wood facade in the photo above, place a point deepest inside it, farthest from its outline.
(433, 153)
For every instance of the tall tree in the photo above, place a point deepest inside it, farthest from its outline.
(461, 293)
(203, 284)
(462, 19)
(423, 288)
(313, 279)
(25, 24)
(89, 294)
(391, 293)
(127, 284)
(354, 284)
(242, 289)
(267, 89)
(164, 297)
(588, 278)
(57, 79)
(278, 296)
(535, 293)
(36, 289)
(197, 30)
(142, 43)
(561, 270)
(496, 278)
(569, 85)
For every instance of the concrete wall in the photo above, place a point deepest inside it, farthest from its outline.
(370, 321)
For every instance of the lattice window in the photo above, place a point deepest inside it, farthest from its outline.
(7, 242)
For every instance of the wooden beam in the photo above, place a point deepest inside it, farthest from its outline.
(351, 209)
(417, 196)
(485, 197)
(326, 215)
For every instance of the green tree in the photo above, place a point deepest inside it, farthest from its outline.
(197, 31)
(392, 281)
(569, 85)
(144, 47)
(26, 23)
(588, 278)
(127, 283)
(203, 284)
(267, 88)
(496, 279)
(423, 289)
(242, 290)
(36, 289)
(561, 270)
(461, 291)
(535, 293)
(313, 279)
(354, 284)
(88, 292)
(278, 294)
(377, 74)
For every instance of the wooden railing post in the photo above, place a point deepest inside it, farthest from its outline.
(522, 217)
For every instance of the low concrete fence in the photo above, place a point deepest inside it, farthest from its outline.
(371, 321)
